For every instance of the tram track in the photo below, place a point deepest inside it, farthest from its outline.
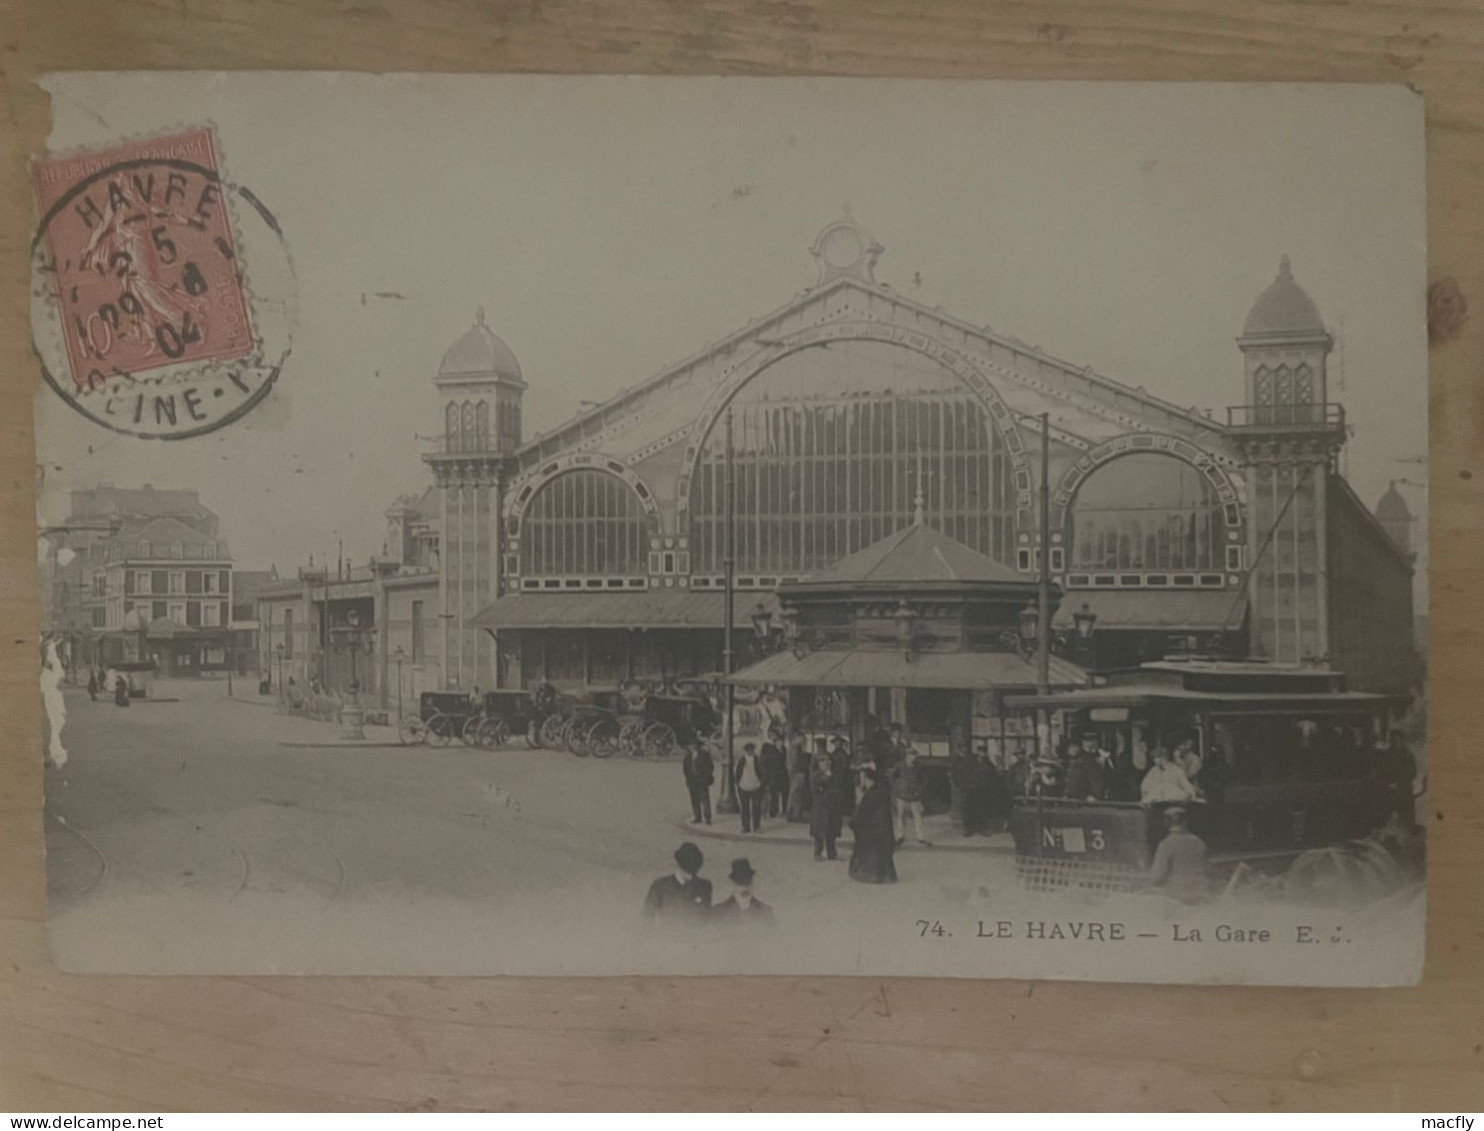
(87, 841)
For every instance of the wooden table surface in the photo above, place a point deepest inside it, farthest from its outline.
(152, 1044)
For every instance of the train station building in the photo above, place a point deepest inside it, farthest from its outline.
(595, 552)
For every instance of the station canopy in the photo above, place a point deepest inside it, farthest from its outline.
(646, 609)
(966, 671)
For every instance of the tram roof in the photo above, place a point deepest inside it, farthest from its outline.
(1147, 694)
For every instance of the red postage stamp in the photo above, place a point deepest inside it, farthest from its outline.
(143, 259)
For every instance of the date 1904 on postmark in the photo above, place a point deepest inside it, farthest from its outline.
(146, 316)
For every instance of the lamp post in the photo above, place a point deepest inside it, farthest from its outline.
(352, 718)
(727, 802)
(278, 648)
(399, 654)
(762, 627)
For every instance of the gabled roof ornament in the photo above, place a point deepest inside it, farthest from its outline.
(846, 250)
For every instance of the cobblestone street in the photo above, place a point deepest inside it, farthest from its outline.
(174, 823)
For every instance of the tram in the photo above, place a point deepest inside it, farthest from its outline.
(1289, 758)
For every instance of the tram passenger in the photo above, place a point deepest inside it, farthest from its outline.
(1165, 781)
(1398, 768)
(1188, 760)
(1045, 779)
(996, 790)
(1214, 775)
(1087, 776)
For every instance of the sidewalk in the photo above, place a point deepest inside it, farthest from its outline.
(327, 734)
(938, 829)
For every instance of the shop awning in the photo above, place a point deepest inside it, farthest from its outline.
(969, 671)
(1171, 610)
(651, 608)
(163, 628)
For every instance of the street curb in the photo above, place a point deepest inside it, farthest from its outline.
(367, 745)
(711, 832)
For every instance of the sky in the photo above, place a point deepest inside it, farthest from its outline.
(610, 226)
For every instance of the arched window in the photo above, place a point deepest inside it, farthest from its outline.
(584, 523)
(1147, 513)
(832, 445)
(1282, 386)
(451, 427)
(467, 430)
(1262, 382)
(482, 426)
(1303, 384)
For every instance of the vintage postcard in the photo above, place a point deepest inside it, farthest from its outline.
(549, 525)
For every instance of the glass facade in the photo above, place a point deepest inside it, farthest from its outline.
(821, 474)
(584, 523)
(1146, 512)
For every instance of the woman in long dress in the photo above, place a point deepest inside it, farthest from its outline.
(871, 860)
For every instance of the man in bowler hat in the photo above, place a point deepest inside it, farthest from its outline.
(740, 907)
(681, 896)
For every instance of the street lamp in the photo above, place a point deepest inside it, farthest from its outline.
(762, 621)
(1084, 619)
(353, 639)
(1030, 625)
(399, 655)
(906, 623)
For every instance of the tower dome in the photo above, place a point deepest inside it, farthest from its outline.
(1395, 518)
(1392, 507)
(481, 354)
(1284, 308)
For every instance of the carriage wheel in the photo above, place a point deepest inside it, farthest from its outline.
(631, 738)
(575, 736)
(551, 731)
(659, 741)
(412, 730)
(493, 733)
(602, 738)
(442, 729)
(469, 733)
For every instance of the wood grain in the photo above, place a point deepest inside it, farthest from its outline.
(73, 1043)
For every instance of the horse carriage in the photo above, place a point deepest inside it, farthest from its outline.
(444, 716)
(665, 724)
(632, 720)
(440, 719)
(501, 715)
(1289, 766)
(586, 725)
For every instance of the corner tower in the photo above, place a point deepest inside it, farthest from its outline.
(1288, 434)
(480, 388)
